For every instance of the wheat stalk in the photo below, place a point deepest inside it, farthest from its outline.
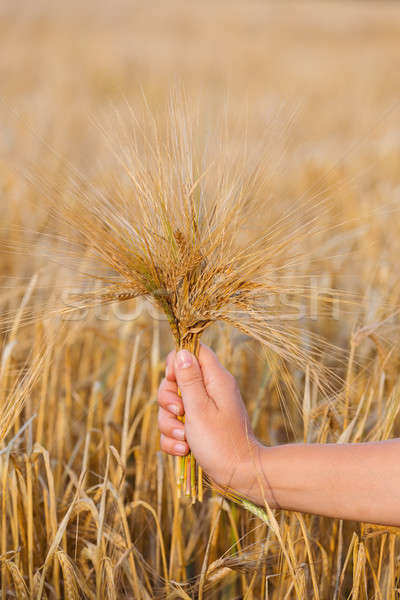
(171, 230)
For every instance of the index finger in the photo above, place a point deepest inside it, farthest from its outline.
(169, 368)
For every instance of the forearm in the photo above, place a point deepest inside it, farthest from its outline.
(347, 481)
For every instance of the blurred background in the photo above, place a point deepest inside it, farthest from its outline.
(335, 62)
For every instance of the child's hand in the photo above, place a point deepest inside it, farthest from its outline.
(216, 428)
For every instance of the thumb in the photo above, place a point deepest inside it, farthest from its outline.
(191, 384)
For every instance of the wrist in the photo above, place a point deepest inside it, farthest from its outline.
(254, 483)
(262, 482)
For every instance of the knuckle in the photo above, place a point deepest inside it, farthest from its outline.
(166, 397)
(164, 443)
(163, 424)
(163, 399)
(160, 420)
(160, 392)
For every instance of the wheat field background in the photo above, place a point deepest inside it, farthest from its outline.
(88, 503)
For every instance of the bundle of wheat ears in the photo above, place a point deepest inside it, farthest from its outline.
(171, 229)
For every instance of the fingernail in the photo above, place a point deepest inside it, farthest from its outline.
(181, 448)
(174, 408)
(179, 434)
(184, 359)
(166, 370)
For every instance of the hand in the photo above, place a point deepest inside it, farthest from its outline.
(216, 428)
(346, 481)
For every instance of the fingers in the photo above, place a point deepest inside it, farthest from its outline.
(171, 446)
(168, 397)
(172, 439)
(201, 380)
(213, 372)
(189, 378)
(170, 426)
(169, 367)
(216, 377)
(218, 382)
(208, 359)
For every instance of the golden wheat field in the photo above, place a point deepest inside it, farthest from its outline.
(277, 121)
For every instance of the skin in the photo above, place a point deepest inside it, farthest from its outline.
(346, 481)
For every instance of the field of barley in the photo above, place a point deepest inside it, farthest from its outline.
(276, 127)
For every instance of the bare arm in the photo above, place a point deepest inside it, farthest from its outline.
(348, 481)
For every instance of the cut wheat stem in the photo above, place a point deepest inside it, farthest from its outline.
(190, 475)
